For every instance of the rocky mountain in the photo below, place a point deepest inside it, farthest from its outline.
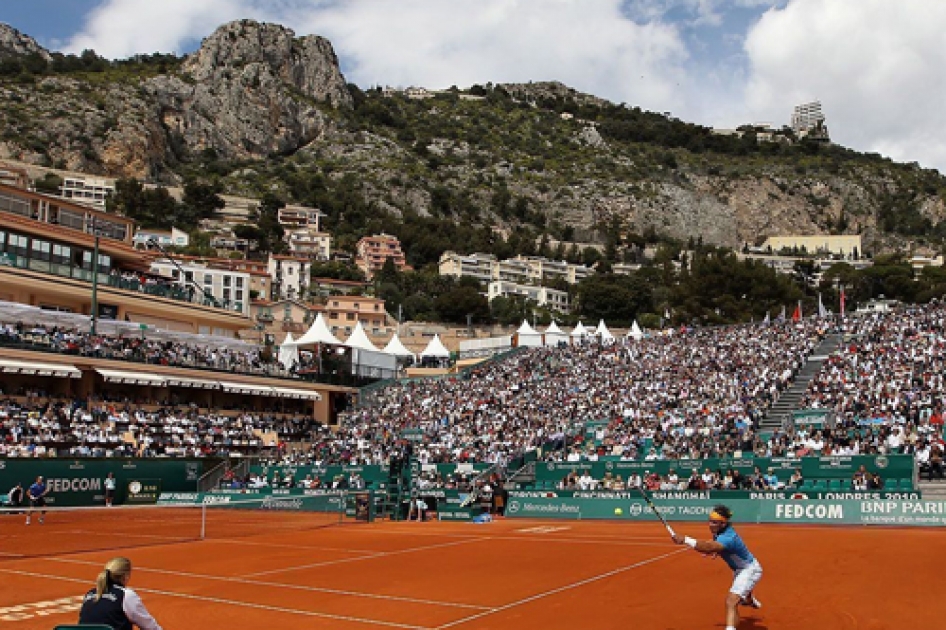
(251, 91)
(261, 110)
(13, 43)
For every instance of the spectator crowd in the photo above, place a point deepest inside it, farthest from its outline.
(693, 394)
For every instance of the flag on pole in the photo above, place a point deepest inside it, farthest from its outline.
(822, 311)
(842, 301)
(796, 316)
(781, 316)
(767, 319)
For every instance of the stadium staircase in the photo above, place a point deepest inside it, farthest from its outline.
(933, 490)
(522, 478)
(779, 415)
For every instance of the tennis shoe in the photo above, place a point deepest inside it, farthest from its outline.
(751, 601)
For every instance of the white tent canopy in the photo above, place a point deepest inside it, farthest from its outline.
(635, 331)
(318, 333)
(528, 336)
(580, 332)
(288, 352)
(603, 332)
(554, 335)
(397, 348)
(436, 349)
(359, 339)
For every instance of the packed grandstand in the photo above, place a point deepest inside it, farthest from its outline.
(677, 395)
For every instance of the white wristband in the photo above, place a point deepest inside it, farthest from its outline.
(690, 541)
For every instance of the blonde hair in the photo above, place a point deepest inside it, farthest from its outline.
(116, 570)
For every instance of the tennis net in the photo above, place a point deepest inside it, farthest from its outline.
(67, 530)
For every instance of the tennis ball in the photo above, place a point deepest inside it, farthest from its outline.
(618, 511)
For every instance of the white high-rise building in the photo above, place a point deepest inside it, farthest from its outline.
(807, 117)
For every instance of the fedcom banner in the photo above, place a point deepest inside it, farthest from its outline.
(848, 512)
(82, 481)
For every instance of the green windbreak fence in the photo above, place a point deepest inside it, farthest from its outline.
(840, 512)
(888, 466)
(76, 482)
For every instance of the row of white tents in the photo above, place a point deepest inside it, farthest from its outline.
(553, 335)
(366, 352)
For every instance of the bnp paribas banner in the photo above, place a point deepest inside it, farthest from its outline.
(846, 512)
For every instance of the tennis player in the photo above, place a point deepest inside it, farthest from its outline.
(728, 545)
(37, 496)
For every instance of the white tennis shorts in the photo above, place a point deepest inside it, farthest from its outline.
(744, 580)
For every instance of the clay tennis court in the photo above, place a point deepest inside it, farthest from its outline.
(508, 574)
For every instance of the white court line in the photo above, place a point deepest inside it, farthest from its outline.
(217, 600)
(632, 541)
(296, 587)
(560, 589)
(86, 532)
(380, 555)
(242, 543)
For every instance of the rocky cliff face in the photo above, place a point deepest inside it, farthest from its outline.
(256, 90)
(16, 44)
(252, 90)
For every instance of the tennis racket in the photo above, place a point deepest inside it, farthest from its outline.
(657, 512)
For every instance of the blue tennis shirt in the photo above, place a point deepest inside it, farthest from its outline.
(734, 553)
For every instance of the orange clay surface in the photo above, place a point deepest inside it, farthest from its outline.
(505, 575)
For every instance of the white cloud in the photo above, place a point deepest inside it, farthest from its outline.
(587, 44)
(875, 65)
(121, 28)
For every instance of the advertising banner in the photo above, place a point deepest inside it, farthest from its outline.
(143, 491)
(80, 481)
(843, 512)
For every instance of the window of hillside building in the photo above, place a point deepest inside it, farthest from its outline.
(239, 283)
(226, 295)
(333, 315)
(350, 316)
(73, 219)
(287, 312)
(40, 250)
(17, 244)
(226, 281)
(3, 239)
(11, 203)
(62, 254)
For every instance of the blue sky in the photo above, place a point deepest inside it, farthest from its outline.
(876, 65)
